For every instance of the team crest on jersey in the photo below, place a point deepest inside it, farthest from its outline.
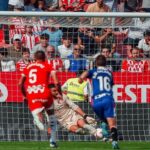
(3, 92)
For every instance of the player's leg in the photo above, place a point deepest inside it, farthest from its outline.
(78, 125)
(99, 110)
(114, 132)
(53, 123)
(105, 129)
(53, 126)
(110, 116)
(76, 129)
(36, 107)
(91, 129)
(38, 118)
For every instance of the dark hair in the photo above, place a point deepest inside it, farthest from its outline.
(40, 55)
(44, 35)
(146, 33)
(103, 47)
(100, 60)
(51, 86)
(67, 36)
(24, 49)
(37, 2)
(3, 51)
(135, 48)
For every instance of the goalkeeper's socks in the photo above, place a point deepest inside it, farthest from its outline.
(80, 131)
(90, 128)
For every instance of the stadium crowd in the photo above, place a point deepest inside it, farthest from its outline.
(68, 48)
(74, 49)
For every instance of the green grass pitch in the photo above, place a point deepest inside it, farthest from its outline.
(73, 146)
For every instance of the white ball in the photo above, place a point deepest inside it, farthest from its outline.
(98, 133)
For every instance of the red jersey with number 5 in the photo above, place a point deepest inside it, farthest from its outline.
(37, 79)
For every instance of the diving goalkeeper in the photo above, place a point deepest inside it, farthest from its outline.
(71, 116)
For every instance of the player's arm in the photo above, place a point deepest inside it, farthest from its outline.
(86, 93)
(75, 107)
(83, 76)
(64, 87)
(56, 81)
(87, 118)
(21, 85)
(78, 110)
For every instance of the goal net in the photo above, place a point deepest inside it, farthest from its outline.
(111, 34)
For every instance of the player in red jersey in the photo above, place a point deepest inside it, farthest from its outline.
(34, 87)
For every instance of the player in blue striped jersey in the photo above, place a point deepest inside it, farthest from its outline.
(102, 95)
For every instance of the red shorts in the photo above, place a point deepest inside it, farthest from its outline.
(38, 104)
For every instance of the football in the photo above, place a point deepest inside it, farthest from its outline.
(98, 133)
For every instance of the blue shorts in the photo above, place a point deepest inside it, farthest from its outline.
(104, 107)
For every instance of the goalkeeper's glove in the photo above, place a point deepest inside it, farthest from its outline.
(90, 120)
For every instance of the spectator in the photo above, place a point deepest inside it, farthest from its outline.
(110, 62)
(146, 5)
(29, 39)
(132, 5)
(44, 38)
(66, 48)
(144, 44)
(38, 24)
(4, 5)
(112, 4)
(30, 5)
(135, 34)
(40, 5)
(15, 51)
(134, 64)
(120, 5)
(54, 59)
(86, 39)
(17, 26)
(14, 3)
(107, 39)
(24, 61)
(6, 64)
(55, 36)
(52, 5)
(75, 62)
(98, 6)
(73, 5)
(87, 3)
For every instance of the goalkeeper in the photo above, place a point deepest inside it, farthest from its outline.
(71, 116)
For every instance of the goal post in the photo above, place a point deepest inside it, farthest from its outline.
(131, 90)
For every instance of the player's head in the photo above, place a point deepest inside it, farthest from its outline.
(25, 53)
(39, 55)
(100, 61)
(54, 90)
